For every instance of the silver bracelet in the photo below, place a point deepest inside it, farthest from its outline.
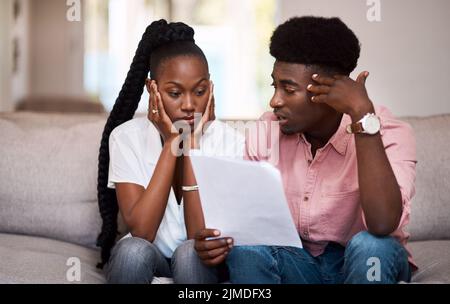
(189, 188)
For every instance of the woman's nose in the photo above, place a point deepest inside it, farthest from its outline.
(188, 104)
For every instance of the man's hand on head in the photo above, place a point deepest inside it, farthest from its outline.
(343, 94)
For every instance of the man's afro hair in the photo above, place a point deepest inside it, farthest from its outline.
(324, 42)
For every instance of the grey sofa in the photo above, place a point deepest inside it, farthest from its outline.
(49, 212)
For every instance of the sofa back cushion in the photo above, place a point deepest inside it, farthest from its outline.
(430, 210)
(48, 175)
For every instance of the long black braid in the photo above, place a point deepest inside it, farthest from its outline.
(160, 41)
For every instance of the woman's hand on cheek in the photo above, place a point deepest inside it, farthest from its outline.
(208, 116)
(210, 107)
(157, 114)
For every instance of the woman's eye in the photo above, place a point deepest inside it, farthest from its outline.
(200, 92)
(174, 94)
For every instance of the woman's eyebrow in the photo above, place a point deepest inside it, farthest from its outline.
(180, 85)
(175, 83)
(200, 81)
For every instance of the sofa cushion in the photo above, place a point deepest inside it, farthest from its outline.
(433, 259)
(48, 175)
(35, 260)
(430, 209)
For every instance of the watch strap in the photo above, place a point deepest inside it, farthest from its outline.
(355, 127)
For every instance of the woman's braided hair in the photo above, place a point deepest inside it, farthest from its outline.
(160, 41)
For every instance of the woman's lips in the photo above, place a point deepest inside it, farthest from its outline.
(190, 121)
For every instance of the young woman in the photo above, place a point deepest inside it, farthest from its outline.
(155, 188)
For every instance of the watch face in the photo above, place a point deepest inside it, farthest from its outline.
(372, 124)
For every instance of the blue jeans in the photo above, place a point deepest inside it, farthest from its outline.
(135, 260)
(367, 259)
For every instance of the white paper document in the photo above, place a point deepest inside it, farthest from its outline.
(245, 200)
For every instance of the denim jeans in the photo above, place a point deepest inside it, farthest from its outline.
(135, 260)
(367, 259)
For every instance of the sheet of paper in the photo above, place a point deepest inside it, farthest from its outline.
(245, 200)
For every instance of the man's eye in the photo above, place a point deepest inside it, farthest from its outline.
(289, 91)
(273, 85)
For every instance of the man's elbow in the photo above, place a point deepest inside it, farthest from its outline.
(386, 222)
(383, 228)
(380, 230)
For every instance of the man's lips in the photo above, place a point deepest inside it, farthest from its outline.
(281, 118)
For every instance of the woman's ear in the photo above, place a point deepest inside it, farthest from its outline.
(148, 83)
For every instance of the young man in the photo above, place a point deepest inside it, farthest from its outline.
(348, 167)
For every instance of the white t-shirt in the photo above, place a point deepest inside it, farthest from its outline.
(134, 149)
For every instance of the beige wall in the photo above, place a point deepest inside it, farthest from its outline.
(20, 79)
(5, 55)
(57, 50)
(407, 52)
(14, 53)
(51, 52)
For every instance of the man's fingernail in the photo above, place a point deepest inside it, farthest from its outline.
(315, 75)
(309, 86)
(229, 241)
(312, 98)
(216, 232)
(230, 246)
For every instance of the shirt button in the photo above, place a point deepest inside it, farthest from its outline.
(306, 198)
(306, 233)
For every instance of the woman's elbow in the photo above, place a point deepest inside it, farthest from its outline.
(139, 231)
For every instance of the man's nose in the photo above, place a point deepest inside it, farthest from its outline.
(276, 101)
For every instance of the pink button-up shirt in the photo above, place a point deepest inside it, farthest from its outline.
(323, 192)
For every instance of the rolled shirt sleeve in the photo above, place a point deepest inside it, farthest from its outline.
(123, 162)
